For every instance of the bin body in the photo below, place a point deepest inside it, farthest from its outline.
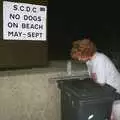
(85, 100)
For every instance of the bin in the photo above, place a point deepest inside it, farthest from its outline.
(85, 100)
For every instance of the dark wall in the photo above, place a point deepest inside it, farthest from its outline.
(22, 54)
(70, 20)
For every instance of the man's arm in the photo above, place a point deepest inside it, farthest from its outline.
(100, 72)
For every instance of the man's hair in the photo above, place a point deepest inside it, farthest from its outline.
(85, 47)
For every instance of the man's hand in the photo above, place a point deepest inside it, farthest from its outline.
(93, 75)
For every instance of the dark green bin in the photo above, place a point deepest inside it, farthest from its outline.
(85, 100)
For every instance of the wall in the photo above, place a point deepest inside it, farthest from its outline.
(31, 94)
(28, 96)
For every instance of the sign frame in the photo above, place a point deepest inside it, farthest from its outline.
(25, 6)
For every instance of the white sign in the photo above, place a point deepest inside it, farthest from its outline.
(23, 21)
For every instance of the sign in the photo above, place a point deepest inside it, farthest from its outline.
(22, 21)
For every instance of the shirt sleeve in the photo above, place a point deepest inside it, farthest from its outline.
(100, 71)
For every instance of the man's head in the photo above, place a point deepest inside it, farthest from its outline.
(83, 50)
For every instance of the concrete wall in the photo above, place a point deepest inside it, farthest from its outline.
(28, 97)
(30, 94)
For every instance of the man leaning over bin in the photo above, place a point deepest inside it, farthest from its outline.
(100, 68)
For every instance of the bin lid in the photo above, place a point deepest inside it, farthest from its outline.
(86, 88)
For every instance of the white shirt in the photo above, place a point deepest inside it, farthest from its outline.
(102, 70)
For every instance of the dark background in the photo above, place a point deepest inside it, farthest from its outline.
(67, 21)
(70, 20)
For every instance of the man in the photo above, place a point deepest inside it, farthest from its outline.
(100, 67)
